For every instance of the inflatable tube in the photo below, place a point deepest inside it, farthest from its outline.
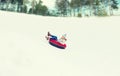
(57, 44)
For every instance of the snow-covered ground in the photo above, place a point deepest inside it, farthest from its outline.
(93, 46)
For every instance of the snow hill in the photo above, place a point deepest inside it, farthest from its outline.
(93, 46)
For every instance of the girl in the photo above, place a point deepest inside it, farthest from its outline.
(62, 40)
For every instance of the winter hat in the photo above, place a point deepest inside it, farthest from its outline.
(64, 36)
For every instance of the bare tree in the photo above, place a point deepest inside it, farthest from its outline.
(7, 4)
(62, 6)
(33, 5)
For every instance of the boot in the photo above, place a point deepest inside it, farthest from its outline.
(49, 34)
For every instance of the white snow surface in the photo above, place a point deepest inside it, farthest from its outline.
(93, 46)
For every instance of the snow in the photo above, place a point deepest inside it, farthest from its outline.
(93, 46)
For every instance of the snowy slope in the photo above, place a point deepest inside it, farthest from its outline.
(93, 46)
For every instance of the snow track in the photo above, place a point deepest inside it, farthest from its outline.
(93, 46)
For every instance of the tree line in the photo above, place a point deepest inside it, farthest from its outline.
(21, 6)
(64, 7)
(96, 7)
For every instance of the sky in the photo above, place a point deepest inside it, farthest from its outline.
(118, 1)
(49, 3)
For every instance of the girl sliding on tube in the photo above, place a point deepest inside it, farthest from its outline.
(53, 40)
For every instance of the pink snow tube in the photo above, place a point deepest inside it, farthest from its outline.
(57, 44)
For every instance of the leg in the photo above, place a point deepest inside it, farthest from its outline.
(53, 37)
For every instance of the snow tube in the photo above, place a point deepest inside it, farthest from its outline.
(57, 44)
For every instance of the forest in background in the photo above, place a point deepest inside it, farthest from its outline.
(66, 8)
